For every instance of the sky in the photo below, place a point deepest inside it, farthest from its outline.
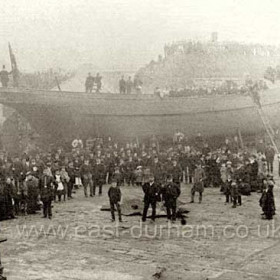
(124, 34)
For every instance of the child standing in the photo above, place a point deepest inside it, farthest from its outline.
(59, 185)
(235, 195)
(114, 194)
(139, 176)
(65, 180)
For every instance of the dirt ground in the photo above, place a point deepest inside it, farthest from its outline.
(81, 242)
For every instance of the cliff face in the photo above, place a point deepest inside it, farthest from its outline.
(180, 67)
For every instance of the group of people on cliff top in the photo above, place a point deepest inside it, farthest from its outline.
(132, 86)
(192, 46)
(35, 180)
(226, 88)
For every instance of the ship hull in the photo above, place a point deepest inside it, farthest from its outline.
(66, 115)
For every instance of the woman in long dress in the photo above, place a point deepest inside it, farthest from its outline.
(267, 201)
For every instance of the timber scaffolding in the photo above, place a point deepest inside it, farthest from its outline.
(268, 128)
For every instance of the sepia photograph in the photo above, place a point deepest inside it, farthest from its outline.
(139, 140)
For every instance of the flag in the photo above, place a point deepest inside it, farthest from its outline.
(15, 71)
(12, 58)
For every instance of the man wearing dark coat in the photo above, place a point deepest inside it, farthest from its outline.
(98, 82)
(9, 192)
(122, 85)
(89, 83)
(170, 192)
(32, 185)
(157, 170)
(99, 176)
(4, 77)
(269, 155)
(46, 188)
(129, 85)
(71, 173)
(86, 175)
(110, 166)
(176, 172)
(115, 195)
(235, 194)
(2, 203)
(191, 165)
(130, 168)
(198, 186)
(151, 196)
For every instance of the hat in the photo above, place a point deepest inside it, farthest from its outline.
(28, 173)
(114, 180)
(270, 183)
(169, 177)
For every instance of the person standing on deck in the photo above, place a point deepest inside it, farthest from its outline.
(98, 82)
(122, 85)
(89, 83)
(4, 77)
(129, 85)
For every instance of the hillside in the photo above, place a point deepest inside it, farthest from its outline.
(208, 61)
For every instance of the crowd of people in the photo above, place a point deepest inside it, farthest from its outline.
(272, 74)
(195, 88)
(31, 181)
(224, 88)
(191, 46)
